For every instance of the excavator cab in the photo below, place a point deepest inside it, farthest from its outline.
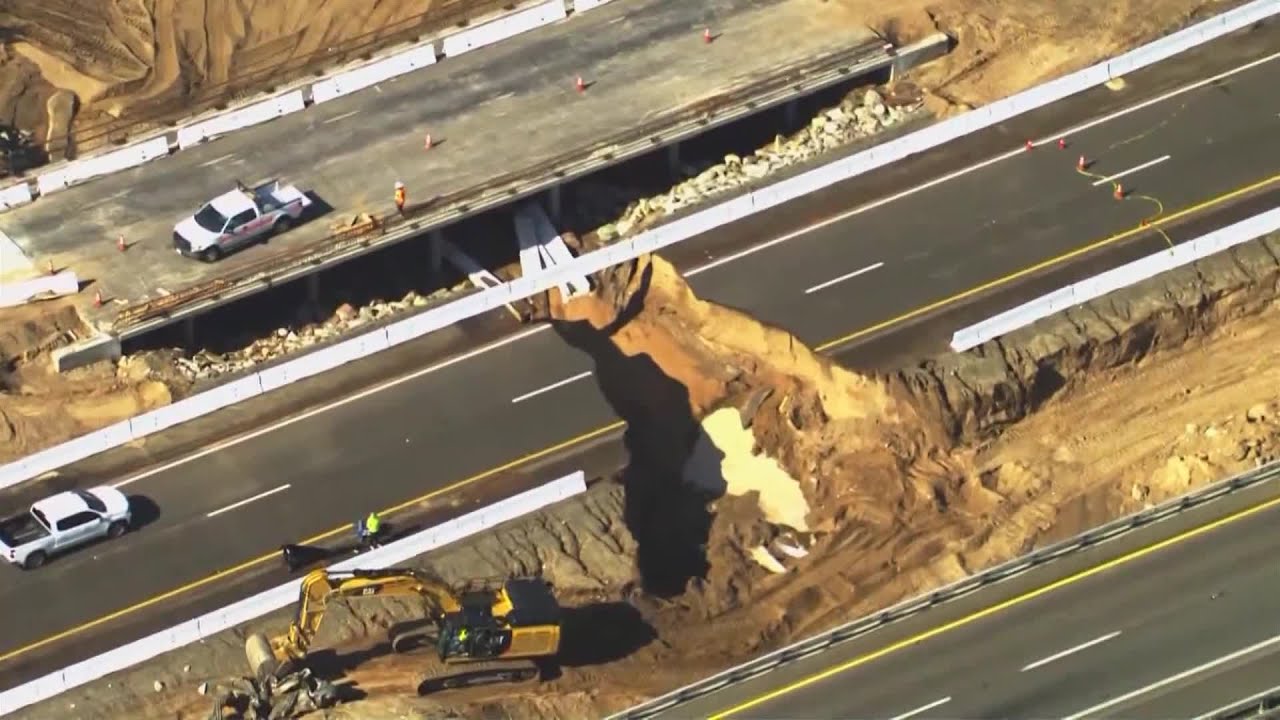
(472, 634)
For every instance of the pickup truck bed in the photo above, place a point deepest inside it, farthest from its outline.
(20, 529)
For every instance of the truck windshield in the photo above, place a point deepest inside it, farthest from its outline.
(40, 516)
(91, 500)
(210, 219)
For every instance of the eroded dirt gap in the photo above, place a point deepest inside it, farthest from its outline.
(906, 480)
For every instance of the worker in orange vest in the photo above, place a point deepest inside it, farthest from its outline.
(400, 197)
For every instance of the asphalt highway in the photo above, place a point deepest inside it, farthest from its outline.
(1204, 158)
(1156, 633)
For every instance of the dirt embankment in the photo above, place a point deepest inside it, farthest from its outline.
(72, 63)
(772, 494)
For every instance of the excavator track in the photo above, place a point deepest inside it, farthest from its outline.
(441, 676)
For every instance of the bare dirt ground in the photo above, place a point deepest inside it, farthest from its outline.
(86, 63)
(748, 450)
(118, 54)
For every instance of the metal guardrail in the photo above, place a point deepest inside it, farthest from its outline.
(269, 71)
(798, 78)
(1265, 704)
(823, 642)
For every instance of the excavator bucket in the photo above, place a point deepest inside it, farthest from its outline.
(262, 661)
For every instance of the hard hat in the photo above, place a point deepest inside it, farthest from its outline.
(399, 185)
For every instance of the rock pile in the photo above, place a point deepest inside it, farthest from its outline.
(205, 365)
(853, 119)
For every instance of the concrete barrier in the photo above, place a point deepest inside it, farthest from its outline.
(15, 195)
(23, 291)
(105, 164)
(373, 73)
(281, 596)
(252, 114)
(103, 346)
(1112, 280)
(518, 22)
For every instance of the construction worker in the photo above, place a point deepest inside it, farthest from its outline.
(372, 525)
(400, 197)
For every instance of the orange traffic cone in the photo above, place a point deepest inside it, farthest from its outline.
(427, 145)
(97, 298)
(706, 36)
(579, 84)
(1082, 163)
(1062, 143)
(120, 243)
(1119, 193)
(51, 271)
(1030, 145)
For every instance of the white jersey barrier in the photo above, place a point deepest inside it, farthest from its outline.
(623, 251)
(246, 116)
(1111, 280)
(12, 197)
(372, 73)
(271, 600)
(105, 164)
(521, 21)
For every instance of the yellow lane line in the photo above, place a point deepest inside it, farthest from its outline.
(993, 609)
(223, 574)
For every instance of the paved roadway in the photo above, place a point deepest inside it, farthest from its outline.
(454, 421)
(646, 58)
(1152, 633)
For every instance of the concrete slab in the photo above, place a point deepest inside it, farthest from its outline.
(490, 112)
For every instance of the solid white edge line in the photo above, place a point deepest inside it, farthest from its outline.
(1131, 170)
(922, 708)
(1070, 651)
(695, 271)
(842, 278)
(552, 386)
(1175, 678)
(246, 501)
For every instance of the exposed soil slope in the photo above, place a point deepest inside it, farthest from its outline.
(829, 494)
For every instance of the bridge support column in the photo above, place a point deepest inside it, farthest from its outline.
(673, 159)
(189, 332)
(790, 114)
(554, 204)
(313, 290)
(435, 243)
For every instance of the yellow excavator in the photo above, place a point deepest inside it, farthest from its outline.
(483, 632)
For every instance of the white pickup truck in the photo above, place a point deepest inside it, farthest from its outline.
(61, 522)
(237, 218)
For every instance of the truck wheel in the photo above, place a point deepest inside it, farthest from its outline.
(117, 529)
(211, 254)
(283, 224)
(34, 560)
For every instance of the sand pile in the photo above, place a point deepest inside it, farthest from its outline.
(133, 58)
(87, 399)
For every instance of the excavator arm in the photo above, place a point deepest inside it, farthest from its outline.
(320, 587)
